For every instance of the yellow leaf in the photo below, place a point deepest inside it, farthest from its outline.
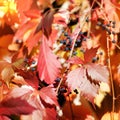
(80, 54)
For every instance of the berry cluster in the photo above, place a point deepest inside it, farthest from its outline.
(108, 26)
(30, 64)
(67, 41)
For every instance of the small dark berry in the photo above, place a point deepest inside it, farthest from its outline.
(63, 42)
(57, 79)
(67, 49)
(103, 27)
(84, 39)
(33, 62)
(70, 40)
(68, 37)
(61, 99)
(65, 34)
(18, 41)
(74, 53)
(78, 40)
(80, 33)
(33, 69)
(68, 45)
(101, 53)
(110, 21)
(63, 90)
(108, 25)
(87, 19)
(109, 32)
(113, 41)
(113, 22)
(95, 59)
(113, 33)
(99, 23)
(113, 26)
(75, 45)
(76, 91)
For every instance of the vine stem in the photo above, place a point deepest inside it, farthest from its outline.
(109, 66)
(111, 79)
(57, 89)
(72, 115)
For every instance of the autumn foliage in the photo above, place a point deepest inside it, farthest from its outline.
(59, 59)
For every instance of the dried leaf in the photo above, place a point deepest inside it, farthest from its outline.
(7, 73)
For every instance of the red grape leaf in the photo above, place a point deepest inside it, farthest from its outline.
(44, 114)
(22, 6)
(77, 79)
(29, 25)
(59, 19)
(76, 60)
(53, 37)
(98, 72)
(48, 65)
(5, 40)
(50, 114)
(23, 91)
(87, 78)
(40, 99)
(32, 41)
(4, 118)
(36, 98)
(15, 106)
(32, 13)
(46, 23)
(89, 54)
(48, 94)
(29, 77)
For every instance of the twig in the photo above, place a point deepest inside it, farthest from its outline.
(117, 46)
(111, 79)
(57, 89)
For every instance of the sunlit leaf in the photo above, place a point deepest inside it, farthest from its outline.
(48, 65)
